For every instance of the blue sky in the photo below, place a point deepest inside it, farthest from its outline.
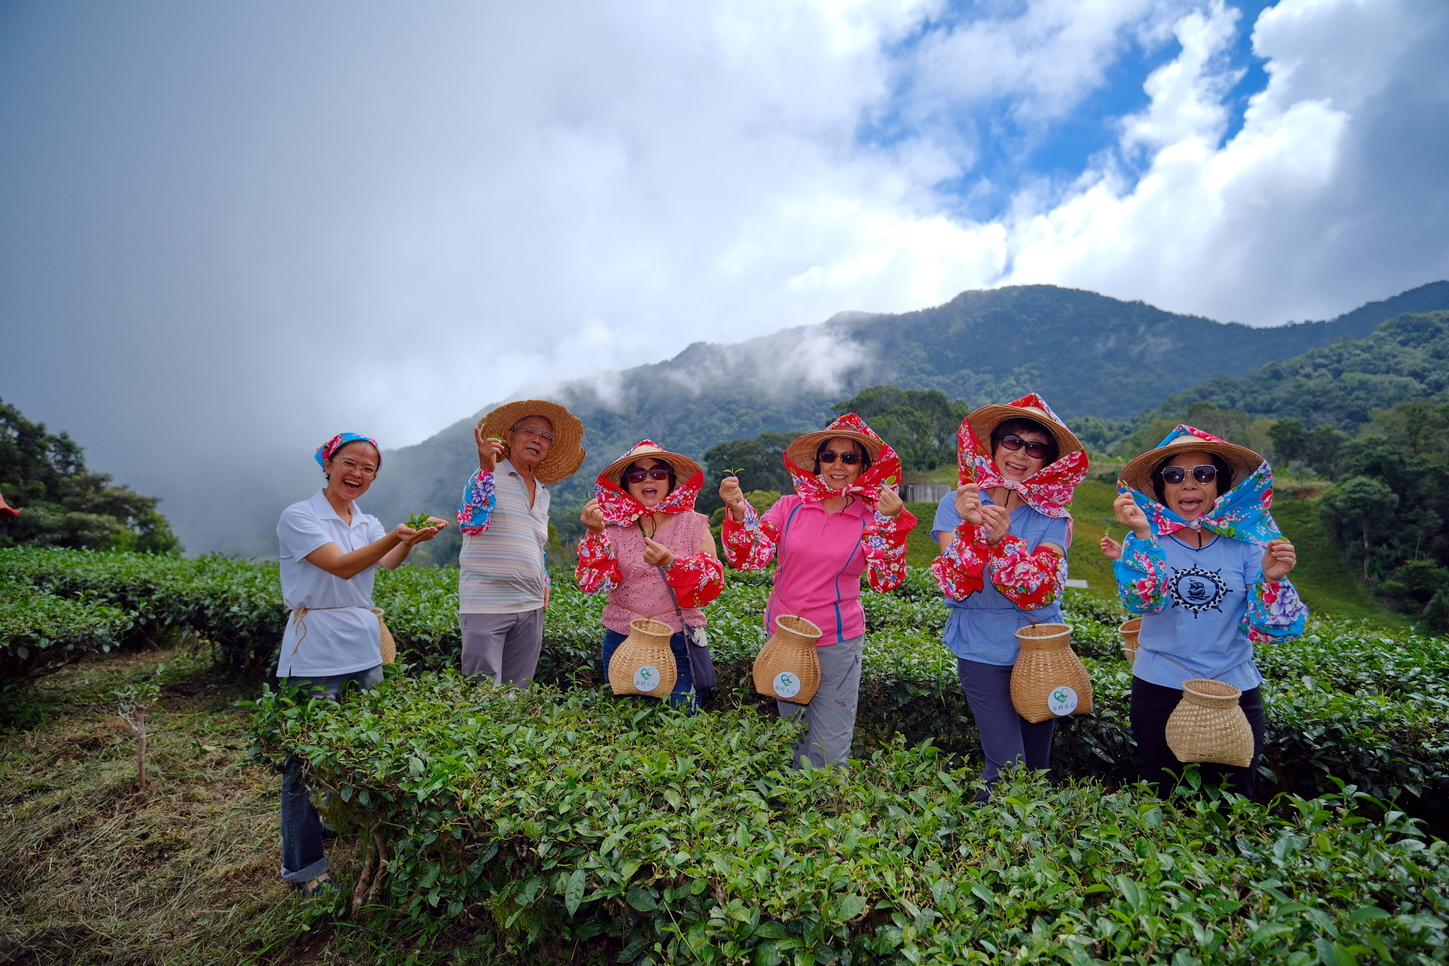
(440, 205)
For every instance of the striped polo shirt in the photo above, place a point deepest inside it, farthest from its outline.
(501, 569)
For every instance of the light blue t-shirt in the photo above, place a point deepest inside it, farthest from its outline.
(1207, 598)
(982, 627)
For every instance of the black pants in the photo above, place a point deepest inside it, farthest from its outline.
(1152, 705)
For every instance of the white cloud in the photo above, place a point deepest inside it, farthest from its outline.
(292, 219)
(1260, 228)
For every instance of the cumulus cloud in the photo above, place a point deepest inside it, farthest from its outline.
(287, 220)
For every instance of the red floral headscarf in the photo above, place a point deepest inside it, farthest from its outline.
(885, 469)
(621, 509)
(1047, 491)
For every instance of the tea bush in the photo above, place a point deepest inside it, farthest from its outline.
(1345, 701)
(41, 633)
(571, 816)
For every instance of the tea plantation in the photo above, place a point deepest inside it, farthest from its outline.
(565, 825)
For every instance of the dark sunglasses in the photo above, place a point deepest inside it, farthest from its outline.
(653, 473)
(849, 459)
(1035, 450)
(1203, 473)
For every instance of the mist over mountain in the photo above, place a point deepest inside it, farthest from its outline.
(1087, 354)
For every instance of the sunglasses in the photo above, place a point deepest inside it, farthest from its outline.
(656, 473)
(1203, 473)
(1035, 450)
(849, 459)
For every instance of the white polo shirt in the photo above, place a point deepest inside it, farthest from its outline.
(342, 636)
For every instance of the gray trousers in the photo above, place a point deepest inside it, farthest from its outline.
(830, 715)
(1007, 738)
(502, 647)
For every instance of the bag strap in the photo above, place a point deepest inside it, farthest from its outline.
(683, 627)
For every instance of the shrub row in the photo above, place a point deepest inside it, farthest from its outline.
(1343, 701)
(41, 633)
(571, 818)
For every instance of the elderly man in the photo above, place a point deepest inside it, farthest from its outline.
(502, 586)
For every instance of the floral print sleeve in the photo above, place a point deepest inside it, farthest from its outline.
(697, 579)
(479, 499)
(1275, 611)
(598, 567)
(749, 545)
(961, 567)
(1028, 578)
(1142, 576)
(884, 540)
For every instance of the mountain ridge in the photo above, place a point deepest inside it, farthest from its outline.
(1088, 354)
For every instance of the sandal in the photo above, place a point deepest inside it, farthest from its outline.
(319, 886)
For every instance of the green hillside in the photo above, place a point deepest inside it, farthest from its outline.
(1089, 355)
(1404, 359)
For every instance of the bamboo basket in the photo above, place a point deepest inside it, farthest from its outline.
(1049, 680)
(644, 663)
(787, 667)
(389, 646)
(1129, 632)
(1208, 725)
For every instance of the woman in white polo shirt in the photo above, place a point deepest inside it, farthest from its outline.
(330, 551)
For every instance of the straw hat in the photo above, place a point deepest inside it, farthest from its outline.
(1138, 473)
(684, 467)
(985, 420)
(802, 451)
(566, 454)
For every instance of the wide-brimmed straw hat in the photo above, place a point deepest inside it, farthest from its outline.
(684, 467)
(566, 454)
(1138, 473)
(985, 420)
(802, 451)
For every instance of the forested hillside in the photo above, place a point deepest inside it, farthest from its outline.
(1094, 358)
(63, 504)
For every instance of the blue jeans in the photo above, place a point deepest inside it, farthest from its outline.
(683, 695)
(302, 856)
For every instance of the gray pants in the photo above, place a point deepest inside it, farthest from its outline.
(830, 715)
(503, 647)
(1007, 738)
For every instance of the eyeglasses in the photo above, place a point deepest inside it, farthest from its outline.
(1035, 450)
(530, 431)
(656, 473)
(367, 472)
(1203, 473)
(849, 459)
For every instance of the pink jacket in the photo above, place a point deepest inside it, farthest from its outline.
(822, 557)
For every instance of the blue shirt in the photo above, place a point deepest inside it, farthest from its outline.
(1200, 627)
(982, 627)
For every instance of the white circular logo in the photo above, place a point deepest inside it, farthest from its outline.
(787, 685)
(647, 678)
(1062, 701)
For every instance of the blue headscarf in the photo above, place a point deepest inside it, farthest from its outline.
(1239, 514)
(325, 451)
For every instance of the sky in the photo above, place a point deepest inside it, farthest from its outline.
(228, 231)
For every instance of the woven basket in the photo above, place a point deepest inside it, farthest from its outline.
(644, 663)
(1208, 725)
(1129, 632)
(787, 667)
(1049, 680)
(389, 646)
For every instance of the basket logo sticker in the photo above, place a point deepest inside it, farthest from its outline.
(1062, 701)
(1197, 591)
(647, 678)
(787, 685)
